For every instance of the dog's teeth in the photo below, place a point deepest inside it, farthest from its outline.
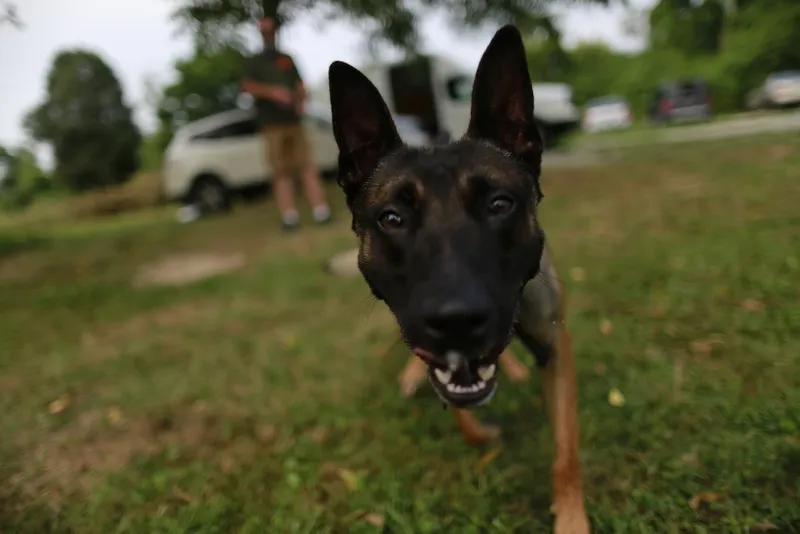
(451, 388)
(481, 384)
(486, 372)
(443, 376)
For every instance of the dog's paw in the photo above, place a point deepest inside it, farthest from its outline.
(572, 522)
(486, 434)
(515, 370)
(411, 377)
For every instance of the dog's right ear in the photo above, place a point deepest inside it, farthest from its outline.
(362, 125)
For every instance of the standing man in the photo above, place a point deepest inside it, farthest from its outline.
(272, 78)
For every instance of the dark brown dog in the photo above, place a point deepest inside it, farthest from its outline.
(450, 241)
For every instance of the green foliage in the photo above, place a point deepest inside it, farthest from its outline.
(23, 179)
(86, 121)
(686, 26)
(393, 21)
(206, 83)
(734, 53)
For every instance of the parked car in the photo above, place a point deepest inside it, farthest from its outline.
(680, 100)
(555, 112)
(609, 112)
(780, 89)
(210, 160)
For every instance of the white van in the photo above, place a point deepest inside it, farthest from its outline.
(438, 92)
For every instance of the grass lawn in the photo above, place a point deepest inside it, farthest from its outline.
(264, 400)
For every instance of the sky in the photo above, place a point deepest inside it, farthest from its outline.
(140, 43)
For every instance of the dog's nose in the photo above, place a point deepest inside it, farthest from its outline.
(461, 319)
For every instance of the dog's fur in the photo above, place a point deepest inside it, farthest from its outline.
(450, 241)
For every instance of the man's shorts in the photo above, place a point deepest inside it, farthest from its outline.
(286, 148)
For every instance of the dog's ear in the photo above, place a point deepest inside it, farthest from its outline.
(502, 98)
(362, 125)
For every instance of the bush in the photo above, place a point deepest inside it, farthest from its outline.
(143, 191)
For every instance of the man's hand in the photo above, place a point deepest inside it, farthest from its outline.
(281, 96)
(276, 93)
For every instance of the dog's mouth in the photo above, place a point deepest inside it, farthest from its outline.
(461, 382)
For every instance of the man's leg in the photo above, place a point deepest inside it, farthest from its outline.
(282, 185)
(312, 183)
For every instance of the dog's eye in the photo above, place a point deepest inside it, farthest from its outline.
(501, 205)
(390, 220)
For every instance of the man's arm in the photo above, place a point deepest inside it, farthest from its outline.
(299, 91)
(263, 91)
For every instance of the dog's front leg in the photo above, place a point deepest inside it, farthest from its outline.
(560, 392)
(474, 431)
(542, 330)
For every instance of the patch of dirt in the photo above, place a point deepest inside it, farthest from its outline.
(344, 264)
(187, 268)
(81, 454)
(98, 342)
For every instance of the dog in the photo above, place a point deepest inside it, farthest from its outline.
(450, 241)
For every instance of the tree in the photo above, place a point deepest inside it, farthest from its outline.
(8, 164)
(86, 121)
(547, 59)
(206, 83)
(21, 178)
(694, 28)
(10, 16)
(389, 20)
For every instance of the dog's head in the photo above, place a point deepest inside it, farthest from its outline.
(448, 234)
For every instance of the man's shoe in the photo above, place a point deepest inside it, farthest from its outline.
(290, 227)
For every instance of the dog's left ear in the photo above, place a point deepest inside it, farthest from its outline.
(362, 125)
(502, 98)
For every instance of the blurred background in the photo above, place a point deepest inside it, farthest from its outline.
(171, 362)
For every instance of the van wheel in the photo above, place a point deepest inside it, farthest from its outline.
(210, 195)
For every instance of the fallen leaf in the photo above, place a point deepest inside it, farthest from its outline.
(600, 369)
(226, 464)
(288, 342)
(114, 415)
(349, 478)
(381, 351)
(690, 458)
(486, 459)
(358, 514)
(578, 274)
(763, 526)
(706, 497)
(376, 520)
(182, 496)
(606, 327)
(318, 434)
(616, 398)
(704, 347)
(752, 305)
(60, 404)
(267, 433)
